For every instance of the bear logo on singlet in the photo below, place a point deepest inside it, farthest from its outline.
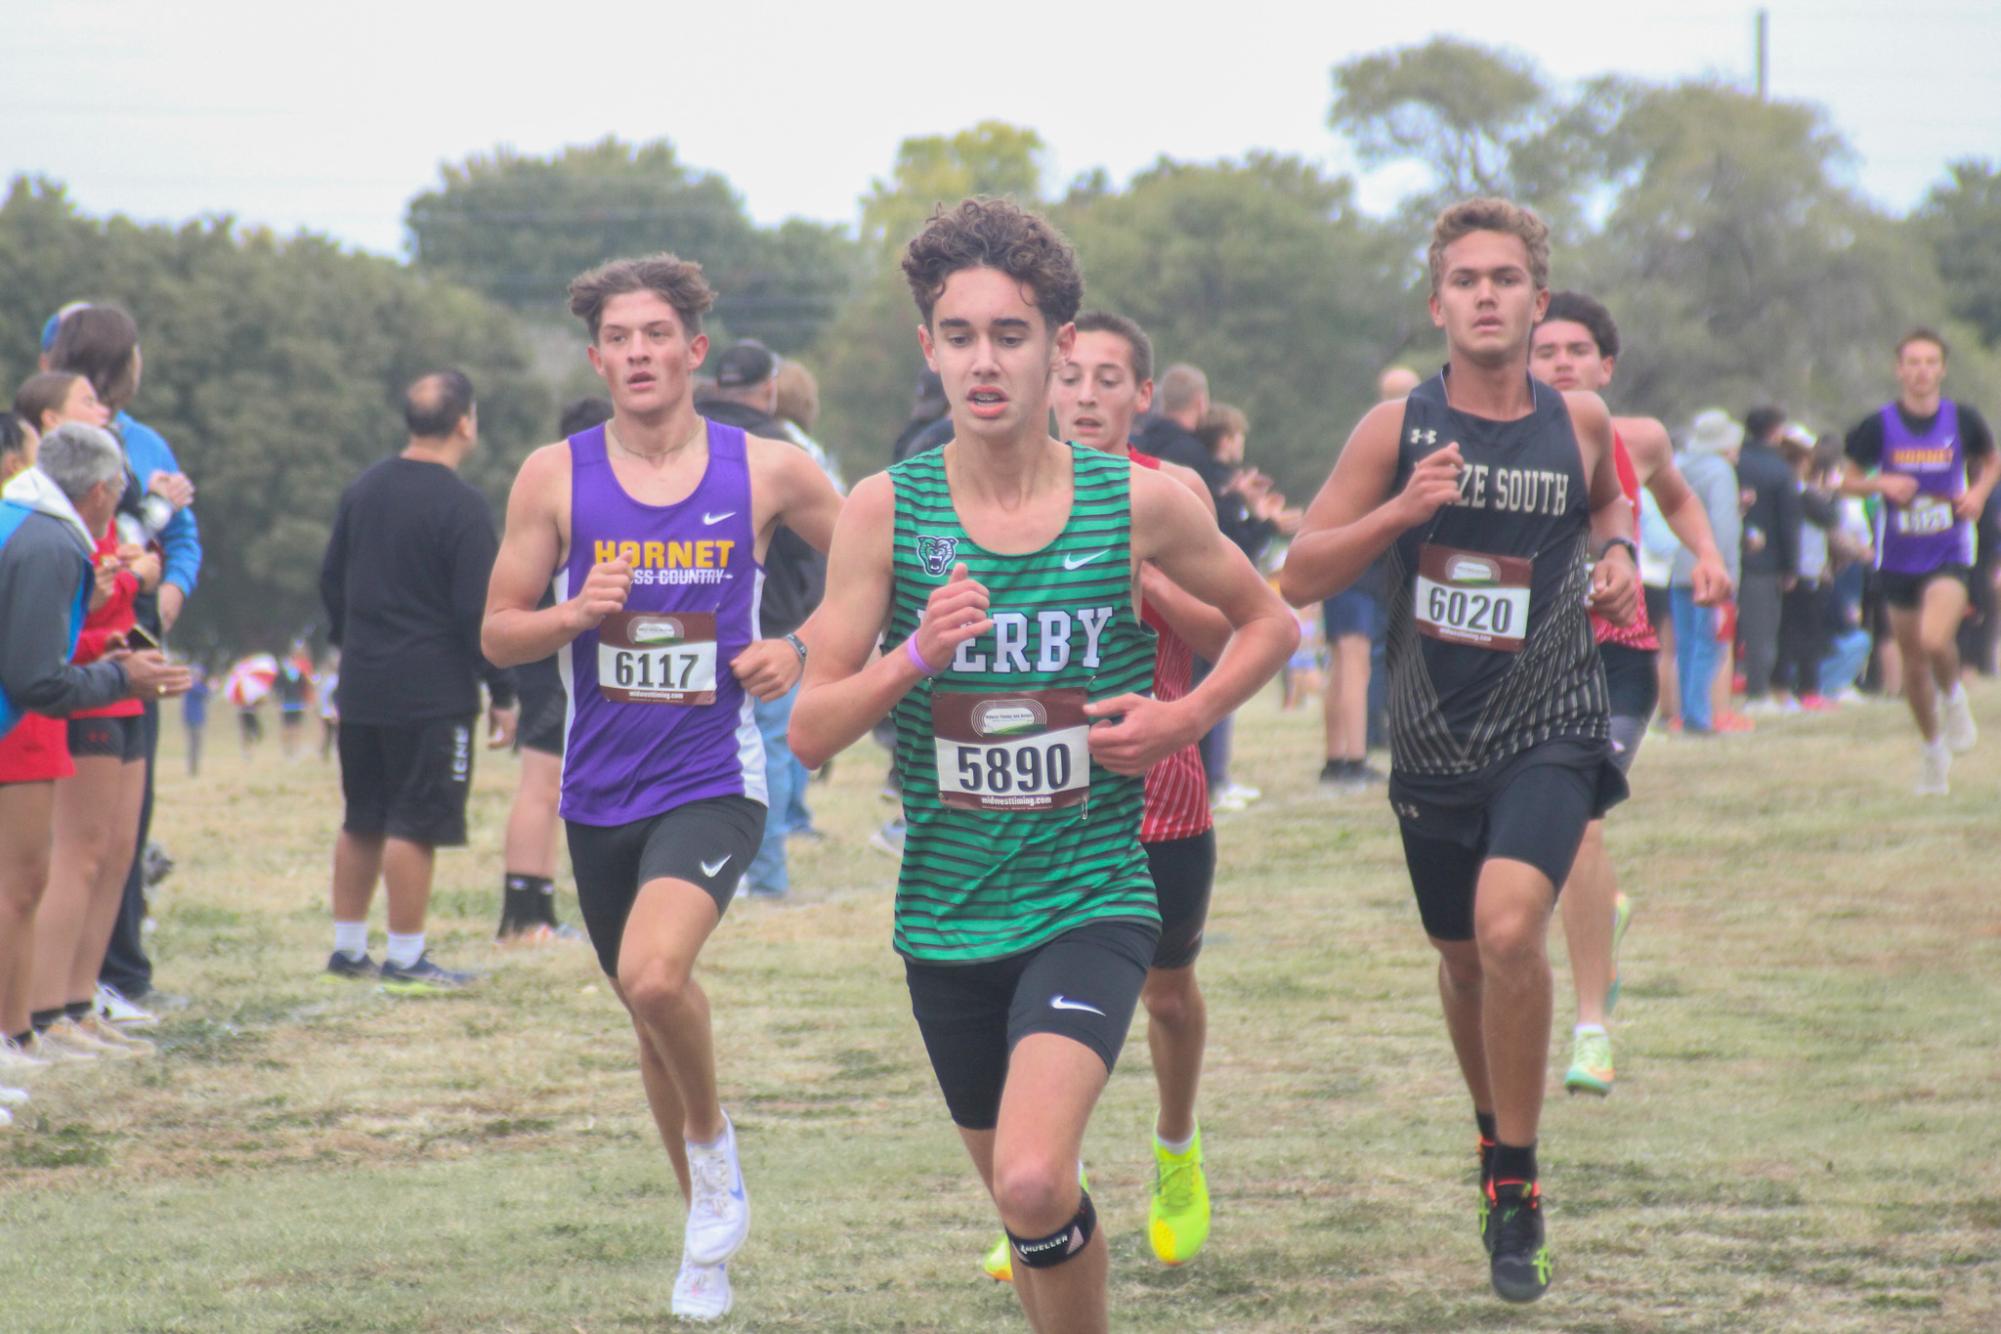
(937, 553)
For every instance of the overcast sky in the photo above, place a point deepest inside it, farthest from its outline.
(332, 122)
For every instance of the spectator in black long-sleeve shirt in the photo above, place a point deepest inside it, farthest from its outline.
(1771, 546)
(404, 582)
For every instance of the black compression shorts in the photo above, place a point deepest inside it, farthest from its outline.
(1082, 985)
(1532, 808)
(708, 843)
(1184, 871)
(1906, 591)
(543, 713)
(121, 739)
(1632, 677)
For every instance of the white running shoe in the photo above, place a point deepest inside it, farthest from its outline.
(702, 1292)
(12, 1097)
(71, 1033)
(118, 1010)
(1960, 731)
(6, 1118)
(18, 1060)
(1243, 792)
(719, 1213)
(1935, 762)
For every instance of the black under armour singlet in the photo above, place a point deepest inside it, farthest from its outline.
(1490, 643)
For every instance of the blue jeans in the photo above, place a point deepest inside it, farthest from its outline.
(1697, 654)
(1846, 656)
(767, 870)
(797, 818)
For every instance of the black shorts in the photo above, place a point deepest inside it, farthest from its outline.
(708, 843)
(1660, 606)
(1632, 675)
(1530, 808)
(121, 739)
(1082, 985)
(407, 780)
(1184, 871)
(1905, 591)
(543, 713)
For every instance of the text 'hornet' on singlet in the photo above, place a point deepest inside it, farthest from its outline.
(1490, 642)
(1015, 836)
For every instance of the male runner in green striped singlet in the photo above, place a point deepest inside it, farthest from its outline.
(1001, 572)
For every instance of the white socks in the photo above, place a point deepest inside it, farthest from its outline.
(351, 939)
(404, 951)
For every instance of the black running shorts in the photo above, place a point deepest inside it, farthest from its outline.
(1906, 591)
(543, 713)
(1082, 985)
(1184, 871)
(1632, 676)
(1530, 808)
(121, 739)
(708, 843)
(407, 780)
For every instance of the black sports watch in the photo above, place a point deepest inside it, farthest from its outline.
(1632, 549)
(799, 645)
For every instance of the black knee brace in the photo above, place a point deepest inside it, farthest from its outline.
(1060, 1245)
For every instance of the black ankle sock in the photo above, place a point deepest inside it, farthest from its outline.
(545, 903)
(1513, 1162)
(41, 1019)
(1485, 1120)
(78, 1009)
(520, 899)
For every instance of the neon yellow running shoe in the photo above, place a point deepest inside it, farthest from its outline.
(1177, 1219)
(1590, 1064)
(998, 1263)
(1622, 917)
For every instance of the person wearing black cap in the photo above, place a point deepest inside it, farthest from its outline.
(795, 578)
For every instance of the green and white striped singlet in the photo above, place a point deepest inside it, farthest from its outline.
(1028, 839)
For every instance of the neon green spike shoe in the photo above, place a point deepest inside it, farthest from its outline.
(998, 1263)
(1622, 917)
(1590, 1064)
(1177, 1219)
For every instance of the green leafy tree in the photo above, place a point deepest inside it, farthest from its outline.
(1962, 222)
(275, 367)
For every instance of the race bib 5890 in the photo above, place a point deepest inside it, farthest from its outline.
(1022, 752)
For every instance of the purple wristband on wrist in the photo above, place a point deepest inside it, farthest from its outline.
(917, 659)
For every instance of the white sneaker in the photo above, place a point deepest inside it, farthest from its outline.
(12, 1097)
(18, 1060)
(6, 1118)
(702, 1292)
(1935, 762)
(73, 1035)
(1243, 792)
(1960, 731)
(118, 1010)
(719, 1213)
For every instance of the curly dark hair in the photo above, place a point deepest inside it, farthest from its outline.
(1577, 308)
(986, 233)
(1490, 214)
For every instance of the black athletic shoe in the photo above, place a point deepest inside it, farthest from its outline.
(1520, 1266)
(422, 978)
(340, 965)
(1334, 773)
(1485, 1151)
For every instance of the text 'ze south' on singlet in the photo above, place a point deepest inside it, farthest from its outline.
(1014, 835)
(1490, 643)
(656, 717)
(1924, 535)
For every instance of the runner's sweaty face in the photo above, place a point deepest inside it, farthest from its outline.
(1920, 369)
(1094, 393)
(1486, 300)
(1564, 355)
(644, 355)
(995, 353)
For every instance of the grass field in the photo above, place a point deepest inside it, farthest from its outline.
(1809, 1048)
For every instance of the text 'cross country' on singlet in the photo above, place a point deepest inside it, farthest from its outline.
(1014, 835)
(656, 717)
(1490, 642)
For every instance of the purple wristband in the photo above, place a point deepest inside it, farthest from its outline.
(917, 659)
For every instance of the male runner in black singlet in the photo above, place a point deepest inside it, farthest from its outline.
(1491, 494)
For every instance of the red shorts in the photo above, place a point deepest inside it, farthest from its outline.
(36, 751)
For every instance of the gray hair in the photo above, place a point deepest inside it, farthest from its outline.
(77, 457)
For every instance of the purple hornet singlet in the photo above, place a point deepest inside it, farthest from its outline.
(656, 717)
(1922, 536)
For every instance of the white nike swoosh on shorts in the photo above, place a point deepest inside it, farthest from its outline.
(709, 869)
(1058, 1003)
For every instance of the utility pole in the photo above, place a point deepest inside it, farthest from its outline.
(1763, 52)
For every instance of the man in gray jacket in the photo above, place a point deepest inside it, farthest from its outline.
(48, 514)
(1708, 465)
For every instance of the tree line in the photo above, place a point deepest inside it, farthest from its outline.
(1726, 233)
